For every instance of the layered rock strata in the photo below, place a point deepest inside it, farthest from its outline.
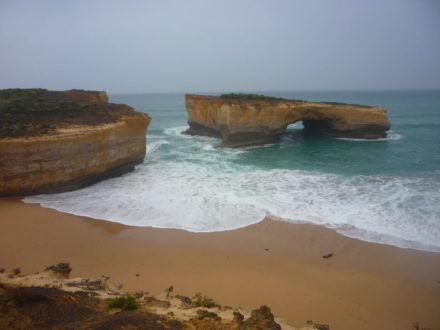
(86, 147)
(244, 120)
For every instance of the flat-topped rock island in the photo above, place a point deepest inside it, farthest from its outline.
(250, 119)
(53, 141)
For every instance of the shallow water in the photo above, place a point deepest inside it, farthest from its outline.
(386, 190)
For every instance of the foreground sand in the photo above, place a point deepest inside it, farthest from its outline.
(362, 286)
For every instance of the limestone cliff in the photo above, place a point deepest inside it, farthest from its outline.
(242, 120)
(81, 148)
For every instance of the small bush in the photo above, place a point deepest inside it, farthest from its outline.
(127, 303)
(200, 300)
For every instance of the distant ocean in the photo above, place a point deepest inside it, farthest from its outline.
(384, 191)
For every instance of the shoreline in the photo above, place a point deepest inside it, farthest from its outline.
(404, 244)
(363, 285)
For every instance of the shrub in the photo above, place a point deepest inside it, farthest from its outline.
(200, 300)
(127, 303)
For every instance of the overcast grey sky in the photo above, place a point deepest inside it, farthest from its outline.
(227, 45)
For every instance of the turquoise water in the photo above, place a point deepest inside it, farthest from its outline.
(385, 191)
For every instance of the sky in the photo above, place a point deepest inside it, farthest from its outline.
(220, 46)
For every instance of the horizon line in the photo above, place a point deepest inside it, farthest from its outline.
(279, 91)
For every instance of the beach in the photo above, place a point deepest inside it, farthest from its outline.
(359, 285)
(385, 190)
(220, 165)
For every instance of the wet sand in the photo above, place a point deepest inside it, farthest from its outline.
(362, 286)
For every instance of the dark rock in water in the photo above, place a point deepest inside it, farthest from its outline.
(326, 256)
(245, 120)
(261, 319)
(16, 271)
(198, 129)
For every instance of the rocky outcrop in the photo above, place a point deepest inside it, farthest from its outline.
(243, 120)
(96, 141)
(261, 318)
(52, 300)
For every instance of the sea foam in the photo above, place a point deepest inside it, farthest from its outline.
(188, 183)
(391, 136)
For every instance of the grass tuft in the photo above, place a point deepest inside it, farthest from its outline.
(200, 300)
(127, 303)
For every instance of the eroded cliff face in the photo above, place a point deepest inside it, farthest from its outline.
(73, 155)
(253, 121)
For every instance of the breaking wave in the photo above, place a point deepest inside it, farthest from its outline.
(190, 184)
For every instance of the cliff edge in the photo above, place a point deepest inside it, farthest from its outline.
(52, 300)
(54, 141)
(249, 119)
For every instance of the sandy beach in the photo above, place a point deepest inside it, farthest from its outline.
(361, 286)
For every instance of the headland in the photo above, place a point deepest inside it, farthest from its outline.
(53, 141)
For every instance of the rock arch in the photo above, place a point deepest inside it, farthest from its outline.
(243, 120)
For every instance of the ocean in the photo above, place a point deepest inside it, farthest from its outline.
(386, 190)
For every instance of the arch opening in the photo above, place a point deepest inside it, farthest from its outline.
(310, 127)
(318, 127)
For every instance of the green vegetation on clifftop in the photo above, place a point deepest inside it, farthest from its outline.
(250, 97)
(127, 303)
(31, 112)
